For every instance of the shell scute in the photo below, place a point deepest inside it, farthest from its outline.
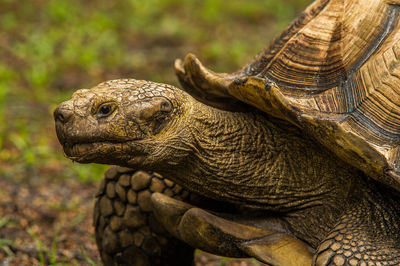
(361, 100)
(335, 73)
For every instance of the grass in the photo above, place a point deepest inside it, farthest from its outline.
(5, 247)
(48, 49)
(42, 250)
(5, 244)
(87, 259)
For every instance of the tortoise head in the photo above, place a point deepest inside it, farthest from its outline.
(117, 121)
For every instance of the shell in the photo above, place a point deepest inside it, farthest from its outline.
(334, 72)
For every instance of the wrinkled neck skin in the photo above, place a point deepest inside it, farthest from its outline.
(245, 158)
(248, 159)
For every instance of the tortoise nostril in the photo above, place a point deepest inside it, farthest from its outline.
(59, 116)
(62, 114)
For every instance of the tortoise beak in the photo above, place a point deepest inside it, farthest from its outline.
(62, 115)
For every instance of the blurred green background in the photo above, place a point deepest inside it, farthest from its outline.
(50, 48)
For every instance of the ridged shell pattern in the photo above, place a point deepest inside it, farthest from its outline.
(342, 71)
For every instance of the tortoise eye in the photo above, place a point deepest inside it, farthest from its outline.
(165, 106)
(106, 109)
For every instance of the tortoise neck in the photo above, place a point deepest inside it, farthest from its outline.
(254, 160)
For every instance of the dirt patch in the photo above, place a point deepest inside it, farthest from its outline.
(50, 222)
(46, 223)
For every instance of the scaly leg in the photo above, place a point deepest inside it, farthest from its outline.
(127, 233)
(227, 236)
(130, 217)
(368, 234)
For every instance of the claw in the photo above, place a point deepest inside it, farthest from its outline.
(217, 235)
(279, 249)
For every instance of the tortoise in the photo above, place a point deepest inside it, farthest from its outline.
(293, 160)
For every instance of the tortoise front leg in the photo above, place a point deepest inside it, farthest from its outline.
(225, 237)
(367, 234)
(127, 232)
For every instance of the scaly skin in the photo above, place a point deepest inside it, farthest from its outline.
(127, 232)
(246, 159)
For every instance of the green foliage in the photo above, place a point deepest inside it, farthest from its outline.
(87, 173)
(6, 243)
(50, 48)
(87, 259)
(6, 77)
(223, 261)
(5, 247)
(45, 254)
(40, 245)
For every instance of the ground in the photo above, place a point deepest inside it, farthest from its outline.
(48, 49)
(51, 223)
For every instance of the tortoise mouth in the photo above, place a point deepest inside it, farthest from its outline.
(78, 150)
(95, 152)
